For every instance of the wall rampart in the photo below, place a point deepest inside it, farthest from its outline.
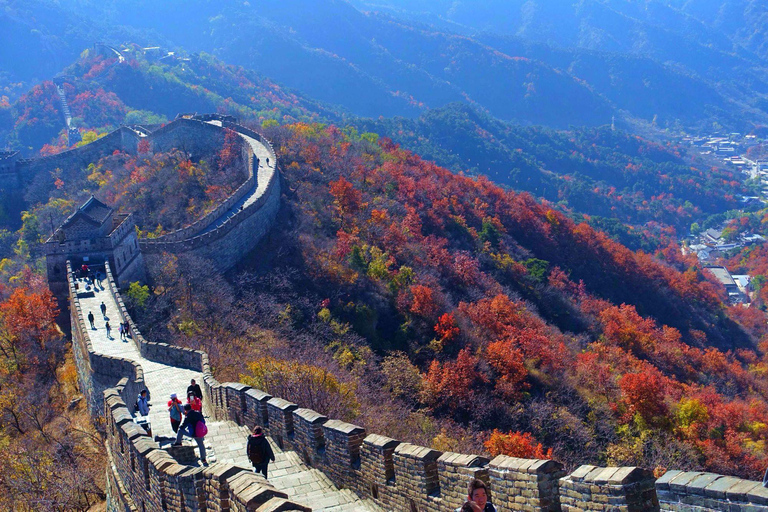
(140, 475)
(97, 372)
(241, 231)
(402, 476)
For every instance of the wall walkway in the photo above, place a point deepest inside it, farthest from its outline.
(290, 479)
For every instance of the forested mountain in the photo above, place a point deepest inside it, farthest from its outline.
(598, 172)
(659, 67)
(595, 171)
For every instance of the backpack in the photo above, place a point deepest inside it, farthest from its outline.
(175, 411)
(201, 429)
(255, 450)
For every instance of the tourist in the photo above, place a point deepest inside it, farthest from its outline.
(477, 499)
(91, 319)
(195, 403)
(142, 403)
(174, 409)
(103, 309)
(259, 451)
(127, 329)
(191, 429)
(109, 330)
(195, 388)
(121, 329)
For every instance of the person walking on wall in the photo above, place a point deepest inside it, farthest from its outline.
(194, 387)
(259, 451)
(142, 403)
(121, 331)
(127, 329)
(195, 403)
(175, 411)
(190, 428)
(103, 309)
(91, 319)
(477, 499)
(109, 330)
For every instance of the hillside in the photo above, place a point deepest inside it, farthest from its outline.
(597, 171)
(426, 293)
(483, 310)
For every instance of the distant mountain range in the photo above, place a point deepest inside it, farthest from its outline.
(525, 62)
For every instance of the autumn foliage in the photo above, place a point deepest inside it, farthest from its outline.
(506, 305)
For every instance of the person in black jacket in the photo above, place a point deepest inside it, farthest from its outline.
(259, 451)
(195, 388)
(188, 427)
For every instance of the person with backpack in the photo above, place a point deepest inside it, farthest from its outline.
(259, 451)
(194, 427)
(175, 411)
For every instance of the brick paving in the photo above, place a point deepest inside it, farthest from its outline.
(226, 440)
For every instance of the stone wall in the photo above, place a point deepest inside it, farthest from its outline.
(612, 488)
(140, 475)
(400, 476)
(97, 372)
(225, 245)
(683, 491)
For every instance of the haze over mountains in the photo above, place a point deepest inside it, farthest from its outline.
(551, 63)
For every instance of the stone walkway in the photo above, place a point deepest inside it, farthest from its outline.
(226, 440)
(263, 173)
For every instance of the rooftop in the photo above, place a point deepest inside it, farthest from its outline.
(722, 275)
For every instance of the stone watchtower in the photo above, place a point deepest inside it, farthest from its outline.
(92, 235)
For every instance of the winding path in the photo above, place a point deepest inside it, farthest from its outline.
(226, 440)
(265, 170)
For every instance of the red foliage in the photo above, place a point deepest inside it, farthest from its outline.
(346, 198)
(644, 394)
(423, 303)
(446, 327)
(454, 384)
(516, 444)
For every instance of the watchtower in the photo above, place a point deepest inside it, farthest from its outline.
(93, 234)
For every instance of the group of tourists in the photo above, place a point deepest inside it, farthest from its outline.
(89, 278)
(124, 327)
(187, 419)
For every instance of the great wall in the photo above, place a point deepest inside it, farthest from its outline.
(322, 463)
